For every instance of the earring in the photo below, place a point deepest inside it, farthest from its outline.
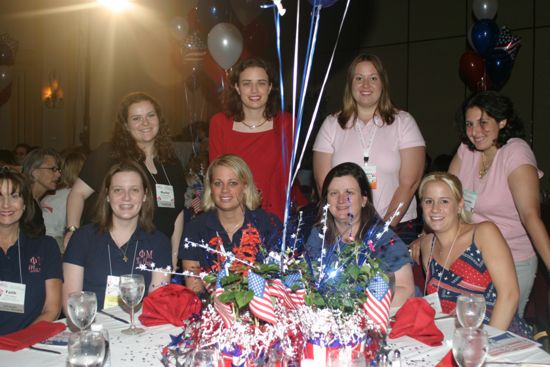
(108, 199)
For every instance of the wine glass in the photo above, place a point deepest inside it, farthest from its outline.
(470, 310)
(86, 349)
(205, 358)
(81, 308)
(132, 287)
(470, 346)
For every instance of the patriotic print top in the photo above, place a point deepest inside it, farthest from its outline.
(467, 275)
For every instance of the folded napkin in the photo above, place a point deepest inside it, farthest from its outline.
(447, 361)
(30, 335)
(416, 319)
(171, 304)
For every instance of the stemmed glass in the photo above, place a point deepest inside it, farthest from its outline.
(470, 310)
(86, 349)
(82, 308)
(470, 347)
(132, 287)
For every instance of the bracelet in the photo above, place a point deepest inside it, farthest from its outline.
(70, 229)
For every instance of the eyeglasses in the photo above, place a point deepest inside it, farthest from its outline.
(54, 169)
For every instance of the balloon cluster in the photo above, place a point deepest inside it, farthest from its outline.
(8, 48)
(489, 63)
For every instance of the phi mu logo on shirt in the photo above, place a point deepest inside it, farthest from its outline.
(145, 257)
(35, 263)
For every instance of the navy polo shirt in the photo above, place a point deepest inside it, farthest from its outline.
(207, 225)
(389, 249)
(92, 250)
(40, 261)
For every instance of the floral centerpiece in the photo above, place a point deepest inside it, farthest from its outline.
(288, 307)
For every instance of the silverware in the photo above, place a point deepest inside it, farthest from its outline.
(45, 350)
(113, 316)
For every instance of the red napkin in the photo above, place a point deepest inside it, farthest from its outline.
(171, 304)
(416, 319)
(447, 361)
(30, 335)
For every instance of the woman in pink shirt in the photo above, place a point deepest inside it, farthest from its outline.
(371, 132)
(500, 178)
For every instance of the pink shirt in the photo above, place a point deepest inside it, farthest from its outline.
(494, 201)
(346, 145)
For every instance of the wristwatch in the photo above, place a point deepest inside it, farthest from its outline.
(71, 229)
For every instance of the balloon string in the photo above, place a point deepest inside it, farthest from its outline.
(315, 111)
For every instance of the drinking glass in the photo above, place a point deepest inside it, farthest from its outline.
(81, 308)
(132, 287)
(470, 310)
(86, 349)
(470, 346)
(205, 358)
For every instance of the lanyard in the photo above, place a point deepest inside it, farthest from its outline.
(165, 175)
(444, 265)
(366, 146)
(133, 261)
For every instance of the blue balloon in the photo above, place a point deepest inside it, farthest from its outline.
(323, 3)
(212, 12)
(484, 36)
(499, 67)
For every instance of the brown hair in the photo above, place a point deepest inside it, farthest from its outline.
(123, 144)
(232, 100)
(104, 212)
(72, 165)
(385, 107)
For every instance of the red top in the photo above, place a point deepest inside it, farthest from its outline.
(262, 151)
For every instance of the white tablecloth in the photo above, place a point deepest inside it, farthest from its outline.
(144, 350)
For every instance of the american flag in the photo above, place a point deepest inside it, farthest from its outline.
(278, 289)
(377, 306)
(291, 298)
(224, 310)
(261, 305)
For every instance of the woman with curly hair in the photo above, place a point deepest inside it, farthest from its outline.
(500, 179)
(140, 134)
(253, 127)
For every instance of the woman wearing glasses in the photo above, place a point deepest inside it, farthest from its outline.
(43, 168)
(141, 134)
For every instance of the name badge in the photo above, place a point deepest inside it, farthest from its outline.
(165, 196)
(12, 297)
(433, 300)
(470, 198)
(112, 292)
(370, 171)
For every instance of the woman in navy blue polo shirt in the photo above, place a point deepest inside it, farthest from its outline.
(30, 264)
(121, 239)
(232, 220)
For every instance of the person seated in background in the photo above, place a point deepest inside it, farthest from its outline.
(350, 216)
(232, 220)
(122, 238)
(21, 150)
(54, 205)
(7, 158)
(43, 168)
(30, 263)
(463, 258)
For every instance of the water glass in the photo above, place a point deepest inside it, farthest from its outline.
(132, 287)
(470, 310)
(82, 308)
(86, 349)
(470, 347)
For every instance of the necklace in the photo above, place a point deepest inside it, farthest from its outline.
(253, 125)
(484, 166)
(232, 230)
(124, 256)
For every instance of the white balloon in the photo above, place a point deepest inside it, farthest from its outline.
(6, 76)
(179, 28)
(225, 44)
(485, 9)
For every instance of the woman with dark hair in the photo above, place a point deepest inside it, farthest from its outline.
(140, 134)
(371, 132)
(253, 127)
(350, 217)
(232, 220)
(30, 263)
(43, 168)
(500, 178)
(122, 238)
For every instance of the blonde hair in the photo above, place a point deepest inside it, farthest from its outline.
(454, 185)
(251, 196)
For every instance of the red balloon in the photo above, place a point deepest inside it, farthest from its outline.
(256, 37)
(5, 94)
(472, 71)
(213, 71)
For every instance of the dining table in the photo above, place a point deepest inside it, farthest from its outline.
(144, 350)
